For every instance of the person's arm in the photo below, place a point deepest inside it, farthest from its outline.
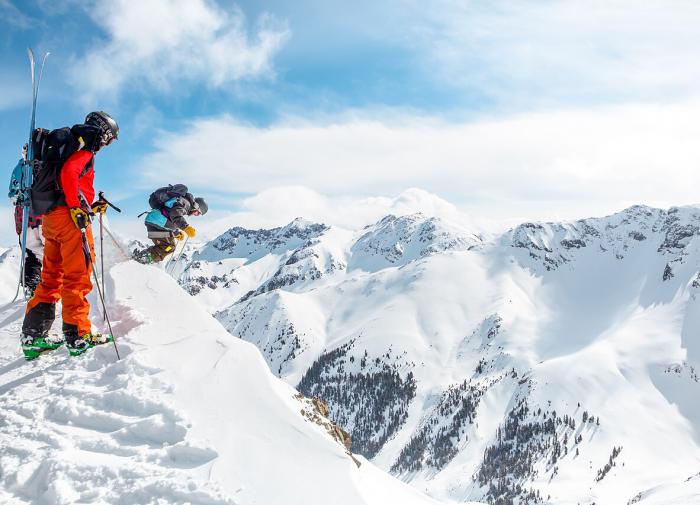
(70, 173)
(177, 213)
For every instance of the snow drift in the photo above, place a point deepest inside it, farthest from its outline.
(189, 415)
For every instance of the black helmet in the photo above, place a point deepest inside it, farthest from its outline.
(201, 205)
(107, 125)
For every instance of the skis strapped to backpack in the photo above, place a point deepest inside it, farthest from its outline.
(27, 169)
(51, 150)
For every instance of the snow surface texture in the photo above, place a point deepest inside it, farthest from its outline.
(190, 415)
(555, 363)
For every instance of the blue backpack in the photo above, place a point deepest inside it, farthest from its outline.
(162, 199)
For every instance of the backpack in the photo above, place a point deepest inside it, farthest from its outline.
(51, 150)
(161, 196)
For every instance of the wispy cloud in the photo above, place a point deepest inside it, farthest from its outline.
(280, 205)
(558, 51)
(536, 165)
(168, 44)
(10, 14)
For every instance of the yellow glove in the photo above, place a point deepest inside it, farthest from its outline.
(190, 231)
(179, 235)
(80, 217)
(99, 206)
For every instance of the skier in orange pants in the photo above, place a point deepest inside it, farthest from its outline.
(68, 251)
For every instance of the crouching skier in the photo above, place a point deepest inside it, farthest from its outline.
(166, 223)
(65, 202)
(35, 239)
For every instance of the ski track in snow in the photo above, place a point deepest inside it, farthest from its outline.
(92, 430)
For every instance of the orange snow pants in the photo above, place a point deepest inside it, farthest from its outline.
(65, 276)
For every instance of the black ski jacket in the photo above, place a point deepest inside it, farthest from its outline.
(176, 214)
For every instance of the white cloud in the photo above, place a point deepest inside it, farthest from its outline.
(280, 205)
(167, 43)
(546, 165)
(521, 51)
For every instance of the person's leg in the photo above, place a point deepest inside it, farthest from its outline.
(35, 255)
(41, 309)
(77, 269)
(161, 248)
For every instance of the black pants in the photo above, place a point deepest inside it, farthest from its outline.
(32, 271)
(161, 248)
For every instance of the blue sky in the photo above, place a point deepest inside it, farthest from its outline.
(505, 108)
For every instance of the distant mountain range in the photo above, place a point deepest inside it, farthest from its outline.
(553, 363)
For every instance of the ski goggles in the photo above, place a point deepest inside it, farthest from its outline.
(107, 138)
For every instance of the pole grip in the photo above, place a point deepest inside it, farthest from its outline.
(102, 197)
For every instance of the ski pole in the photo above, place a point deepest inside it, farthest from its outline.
(170, 259)
(102, 264)
(182, 250)
(101, 194)
(173, 255)
(88, 256)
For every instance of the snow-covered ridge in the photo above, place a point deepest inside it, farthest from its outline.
(244, 263)
(554, 244)
(189, 415)
(395, 241)
(519, 367)
(253, 244)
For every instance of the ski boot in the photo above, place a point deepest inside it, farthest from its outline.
(87, 341)
(33, 347)
(144, 257)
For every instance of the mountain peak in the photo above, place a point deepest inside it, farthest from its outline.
(253, 244)
(397, 240)
(553, 244)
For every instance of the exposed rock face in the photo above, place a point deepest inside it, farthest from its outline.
(316, 411)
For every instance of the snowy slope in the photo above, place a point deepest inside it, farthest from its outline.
(681, 492)
(556, 362)
(189, 415)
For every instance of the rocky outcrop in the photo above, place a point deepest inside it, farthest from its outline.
(316, 411)
(371, 400)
